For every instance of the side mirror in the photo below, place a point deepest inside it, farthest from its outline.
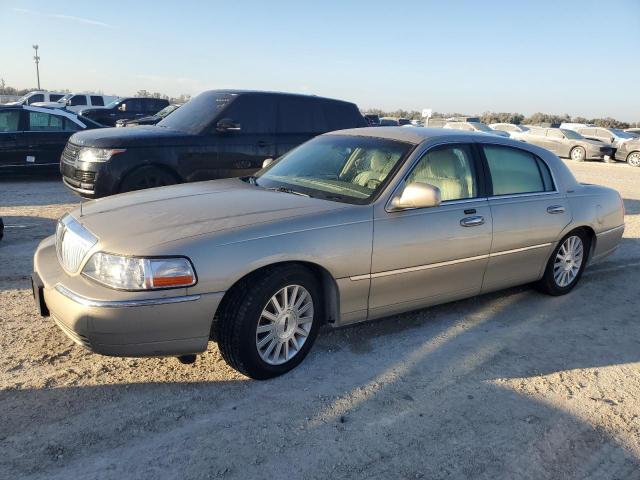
(123, 107)
(267, 162)
(416, 195)
(227, 125)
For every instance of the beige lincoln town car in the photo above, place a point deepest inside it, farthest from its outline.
(351, 226)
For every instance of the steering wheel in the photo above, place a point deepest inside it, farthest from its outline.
(373, 183)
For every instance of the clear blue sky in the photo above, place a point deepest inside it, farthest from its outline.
(576, 57)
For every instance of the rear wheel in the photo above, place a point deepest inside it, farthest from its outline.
(268, 325)
(633, 159)
(566, 264)
(578, 154)
(147, 177)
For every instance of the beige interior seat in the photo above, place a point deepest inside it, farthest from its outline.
(378, 169)
(440, 169)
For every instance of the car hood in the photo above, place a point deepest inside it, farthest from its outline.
(130, 137)
(133, 223)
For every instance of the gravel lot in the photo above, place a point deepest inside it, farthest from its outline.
(508, 385)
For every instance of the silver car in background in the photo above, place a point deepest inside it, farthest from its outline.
(511, 129)
(351, 226)
(569, 144)
(475, 127)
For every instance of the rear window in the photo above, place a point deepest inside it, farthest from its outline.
(515, 171)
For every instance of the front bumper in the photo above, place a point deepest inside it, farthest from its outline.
(131, 324)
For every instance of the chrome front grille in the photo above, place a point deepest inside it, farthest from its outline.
(70, 153)
(73, 241)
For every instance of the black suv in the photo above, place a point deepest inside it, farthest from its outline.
(125, 109)
(218, 134)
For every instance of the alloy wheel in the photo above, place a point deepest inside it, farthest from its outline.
(568, 261)
(284, 324)
(634, 159)
(577, 154)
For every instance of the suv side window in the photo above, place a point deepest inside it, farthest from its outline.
(300, 115)
(253, 113)
(515, 171)
(45, 122)
(133, 105)
(78, 100)
(451, 169)
(9, 120)
(54, 97)
(35, 98)
(97, 101)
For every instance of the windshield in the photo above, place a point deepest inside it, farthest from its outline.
(112, 104)
(481, 126)
(166, 111)
(571, 134)
(198, 113)
(621, 133)
(349, 169)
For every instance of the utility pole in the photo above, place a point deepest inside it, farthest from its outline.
(37, 60)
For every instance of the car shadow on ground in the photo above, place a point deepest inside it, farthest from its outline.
(21, 237)
(505, 385)
(19, 191)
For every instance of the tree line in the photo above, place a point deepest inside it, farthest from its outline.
(508, 117)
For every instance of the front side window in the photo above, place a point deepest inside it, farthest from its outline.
(253, 114)
(45, 122)
(515, 171)
(450, 169)
(39, 97)
(198, 113)
(55, 97)
(555, 134)
(9, 120)
(350, 169)
(70, 126)
(97, 100)
(78, 100)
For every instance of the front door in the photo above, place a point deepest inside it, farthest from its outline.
(432, 255)
(12, 153)
(528, 211)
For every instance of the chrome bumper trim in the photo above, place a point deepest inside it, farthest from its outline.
(89, 302)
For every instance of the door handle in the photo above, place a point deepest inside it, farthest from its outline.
(475, 221)
(555, 209)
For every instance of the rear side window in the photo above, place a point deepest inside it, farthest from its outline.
(253, 113)
(45, 122)
(97, 101)
(301, 115)
(9, 120)
(515, 171)
(78, 100)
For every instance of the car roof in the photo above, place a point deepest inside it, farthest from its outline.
(283, 94)
(413, 135)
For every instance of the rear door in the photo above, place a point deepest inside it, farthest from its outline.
(46, 136)
(299, 119)
(12, 151)
(431, 255)
(528, 211)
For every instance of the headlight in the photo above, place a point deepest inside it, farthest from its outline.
(132, 273)
(98, 154)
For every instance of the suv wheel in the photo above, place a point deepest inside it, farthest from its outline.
(147, 177)
(268, 325)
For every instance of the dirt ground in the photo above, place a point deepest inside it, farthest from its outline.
(508, 385)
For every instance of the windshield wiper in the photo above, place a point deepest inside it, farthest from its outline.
(288, 190)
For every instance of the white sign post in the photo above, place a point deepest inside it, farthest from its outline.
(426, 114)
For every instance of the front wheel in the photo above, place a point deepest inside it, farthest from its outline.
(633, 159)
(147, 177)
(566, 264)
(268, 325)
(578, 154)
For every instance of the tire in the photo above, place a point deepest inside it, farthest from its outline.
(241, 343)
(633, 159)
(146, 177)
(578, 154)
(554, 282)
